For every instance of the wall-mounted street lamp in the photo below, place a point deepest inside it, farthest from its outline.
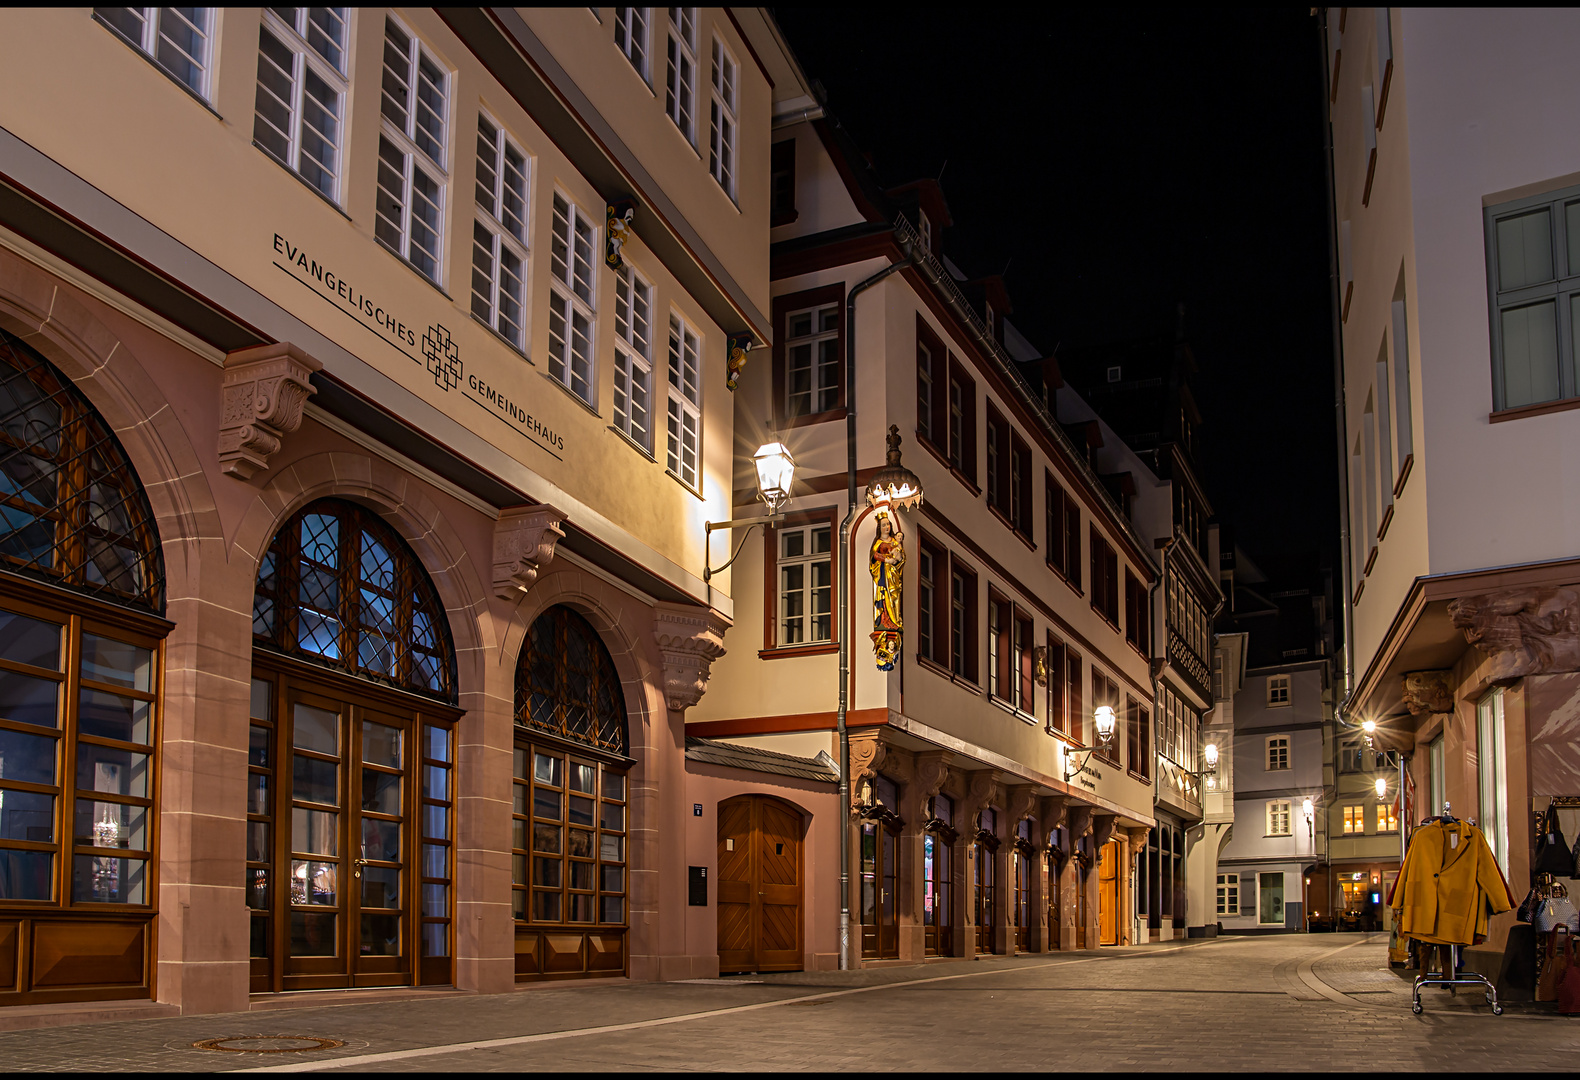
(1105, 719)
(775, 472)
(1309, 810)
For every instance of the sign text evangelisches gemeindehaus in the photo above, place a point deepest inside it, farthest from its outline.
(440, 354)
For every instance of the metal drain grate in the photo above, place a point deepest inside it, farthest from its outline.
(267, 1044)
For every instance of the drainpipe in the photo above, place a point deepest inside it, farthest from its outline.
(1336, 304)
(844, 596)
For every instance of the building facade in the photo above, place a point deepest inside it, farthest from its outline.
(1452, 242)
(364, 400)
(985, 815)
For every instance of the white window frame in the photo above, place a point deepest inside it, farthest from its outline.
(404, 141)
(1355, 815)
(500, 231)
(1278, 818)
(813, 341)
(1492, 776)
(924, 399)
(807, 592)
(1385, 814)
(684, 418)
(633, 357)
(151, 37)
(724, 90)
(1277, 690)
(306, 58)
(924, 229)
(1277, 757)
(632, 27)
(680, 82)
(1228, 890)
(573, 309)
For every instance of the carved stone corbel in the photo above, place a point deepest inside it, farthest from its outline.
(1529, 630)
(1103, 827)
(980, 789)
(524, 539)
(689, 639)
(1138, 839)
(1429, 691)
(1021, 803)
(263, 393)
(1055, 812)
(932, 772)
(1080, 821)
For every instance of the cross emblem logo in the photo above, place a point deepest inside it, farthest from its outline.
(444, 358)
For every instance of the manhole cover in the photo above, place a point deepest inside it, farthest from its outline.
(268, 1044)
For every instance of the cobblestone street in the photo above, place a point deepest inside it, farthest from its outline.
(1238, 1004)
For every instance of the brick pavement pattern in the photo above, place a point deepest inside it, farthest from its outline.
(1264, 1004)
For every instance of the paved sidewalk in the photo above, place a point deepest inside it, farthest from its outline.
(1229, 1004)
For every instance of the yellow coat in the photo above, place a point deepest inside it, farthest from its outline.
(1449, 882)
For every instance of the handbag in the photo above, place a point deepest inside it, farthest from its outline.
(1552, 913)
(1569, 986)
(1553, 854)
(1527, 906)
(1557, 967)
(1575, 870)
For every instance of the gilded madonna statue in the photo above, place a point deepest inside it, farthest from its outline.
(887, 564)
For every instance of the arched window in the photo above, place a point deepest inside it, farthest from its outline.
(570, 823)
(79, 694)
(566, 684)
(337, 586)
(71, 509)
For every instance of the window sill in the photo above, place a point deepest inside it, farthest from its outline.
(503, 340)
(827, 416)
(938, 669)
(689, 490)
(568, 392)
(300, 179)
(1011, 708)
(633, 444)
(958, 474)
(1138, 776)
(157, 66)
(1137, 649)
(780, 652)
(1541, 408)
(1405, 467)
(1113, 623)
(408, 264)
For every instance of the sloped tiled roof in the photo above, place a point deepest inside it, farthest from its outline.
(736, 756)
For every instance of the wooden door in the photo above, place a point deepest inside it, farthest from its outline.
(880, 930)
(759, 885)
(1108, 893)
(1055, 920)
(1080, 904)
(984, 898)
(937, 896)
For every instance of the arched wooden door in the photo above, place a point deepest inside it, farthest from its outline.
(1108, 893)
(759, 890)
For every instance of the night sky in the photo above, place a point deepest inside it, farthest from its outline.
(1118, 164)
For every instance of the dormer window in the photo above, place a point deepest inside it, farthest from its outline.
(988, 318)
(1114, 373)
(925, 228)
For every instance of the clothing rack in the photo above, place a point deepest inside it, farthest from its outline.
(1448, 973)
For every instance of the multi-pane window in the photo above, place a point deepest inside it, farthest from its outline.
(1138, 617)
(812, 369)
(1533, 245)
(567, 685)
(72, 690)
(1278, 817)
(179, 40)
(299, 108)
(926, 599)
(633, 356)
(1055, 672)
(499, 233)
(1020, 485)
(1492, 776)
(685, 401)
(680, 81)
(1021, 655)
(1228, 894)
(1000, 675)
(1139, 721)
(413, 140)
(924, 391)
(1105, 577)
(438, 865)
(338, 587)
(962, 622)
(1278, 689)
(1075, 716)
(723, 109)
(806, 585)
(1387, 817)
(781, 183)
(997, 460)
(568, 838)
(571, 298)
(630, 35)
(1354, 819)
(1277, 753)
(1064, 531)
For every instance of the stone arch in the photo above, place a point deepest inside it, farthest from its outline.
(49, 317)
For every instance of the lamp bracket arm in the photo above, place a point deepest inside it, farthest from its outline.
(750, 524)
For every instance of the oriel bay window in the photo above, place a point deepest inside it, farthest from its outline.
(570, 822)
(81, 598)
(350, 760)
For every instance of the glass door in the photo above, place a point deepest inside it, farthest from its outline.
(984, 897)
(937, 898)
(880, 935)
